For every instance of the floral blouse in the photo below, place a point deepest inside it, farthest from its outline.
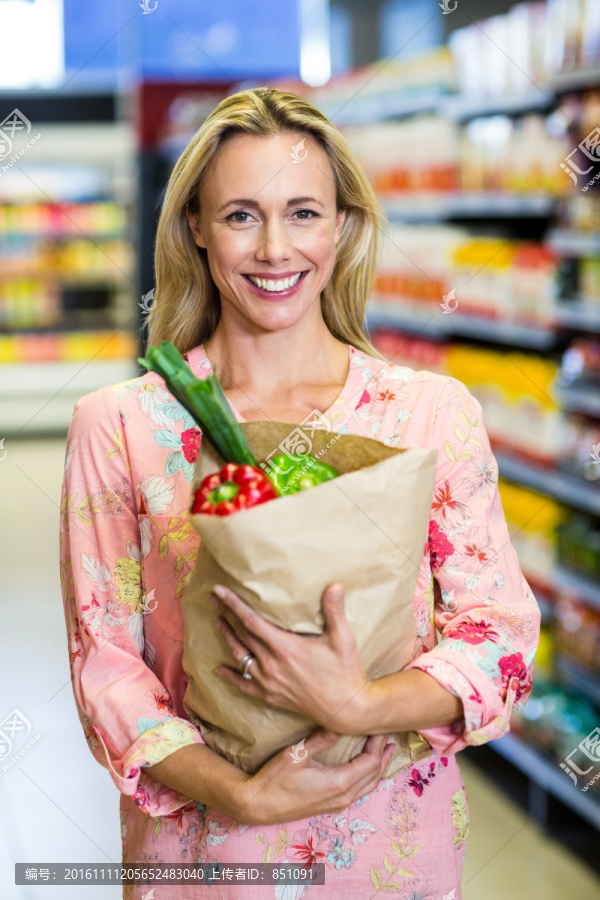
(126, 546)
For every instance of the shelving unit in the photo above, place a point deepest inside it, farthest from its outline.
(435, 325)
(574, 243)
(580, 585)
(580, 398)
(521, 213)
(546, 774)
(578, 678)
(578, 315)
(433, 208)
(567, 488)
(374, 107)
(68, 316)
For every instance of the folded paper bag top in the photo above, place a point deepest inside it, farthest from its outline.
(366, 528)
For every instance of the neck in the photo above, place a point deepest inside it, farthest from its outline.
(269, 362)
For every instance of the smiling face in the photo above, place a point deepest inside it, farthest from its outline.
(270, 227)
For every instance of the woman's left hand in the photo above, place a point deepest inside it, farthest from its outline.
(320, 677)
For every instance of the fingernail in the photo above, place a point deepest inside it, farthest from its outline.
(220, 591)
(336, 593)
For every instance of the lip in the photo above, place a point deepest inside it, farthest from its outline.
(279, 295)
(274, 276)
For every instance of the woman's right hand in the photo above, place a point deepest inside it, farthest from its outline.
(284, 790)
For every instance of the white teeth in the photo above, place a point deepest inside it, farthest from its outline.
(267, 284)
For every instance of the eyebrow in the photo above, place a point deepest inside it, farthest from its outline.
(248, 201)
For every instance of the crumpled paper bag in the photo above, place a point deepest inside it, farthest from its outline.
(367, 529)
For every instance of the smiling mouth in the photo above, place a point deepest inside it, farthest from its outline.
(275, 286)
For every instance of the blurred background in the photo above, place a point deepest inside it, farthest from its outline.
(482, 138)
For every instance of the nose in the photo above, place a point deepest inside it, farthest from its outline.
(273, 242)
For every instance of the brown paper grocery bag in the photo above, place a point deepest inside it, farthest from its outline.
(367, 529)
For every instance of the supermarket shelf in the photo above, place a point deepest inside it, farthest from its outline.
(462, 108)
(501, 332)
(580, 398)
(574, 243)
(76, 233)
(383, 315)
(579, 315)
(584, 586)
(396, 104)
(68, 279)
(434, 207)
(363, 108)
(437, 325)
(38, 398)
(46, 378)
(568, 489)
(571, 81)
(548, 775)
(578, 678)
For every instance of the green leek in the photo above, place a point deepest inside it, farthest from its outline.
(204, 399)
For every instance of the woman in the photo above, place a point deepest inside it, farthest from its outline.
(265, 255)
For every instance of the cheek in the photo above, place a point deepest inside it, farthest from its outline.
(319, 246)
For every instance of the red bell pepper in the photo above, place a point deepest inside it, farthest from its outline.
(232, 488)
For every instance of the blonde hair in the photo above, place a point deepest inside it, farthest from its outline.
(187, 307)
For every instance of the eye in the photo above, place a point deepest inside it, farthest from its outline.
(238, 212)
(241, 212)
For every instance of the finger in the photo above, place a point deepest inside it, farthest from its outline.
(249, 686)
(250, 621)
(319, 740)
(361, 768)
(385, 759)
(237, 648)
(376, 744)
(334, 613)
(245, 637)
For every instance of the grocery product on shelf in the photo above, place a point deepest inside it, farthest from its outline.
(29, 303)
(67, 287)
(409, 273)
(358, 93)
(577, 635)
(415, 155)
(495, 278)
(532, 521)
(45, 247)
(498, 153)
(94, 218)
(64, 346)
(504, 55)
(434, 154)
(578, 544)
(581, 448)
(416, 353)
(556, 720)
(581, 362)
(515, 390)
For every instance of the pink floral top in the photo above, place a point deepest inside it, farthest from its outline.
(126, 545)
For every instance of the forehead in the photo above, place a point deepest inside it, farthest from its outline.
(268, 167)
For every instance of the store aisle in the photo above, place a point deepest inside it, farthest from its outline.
(59, 805)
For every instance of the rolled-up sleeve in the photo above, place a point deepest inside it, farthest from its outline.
(124, 709)
(486, 617)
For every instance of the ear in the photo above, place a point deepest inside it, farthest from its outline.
(341, 218)
(194, 223)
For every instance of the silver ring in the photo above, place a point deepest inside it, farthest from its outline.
(246, 662)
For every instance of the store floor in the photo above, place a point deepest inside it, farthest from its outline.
(58, 805)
